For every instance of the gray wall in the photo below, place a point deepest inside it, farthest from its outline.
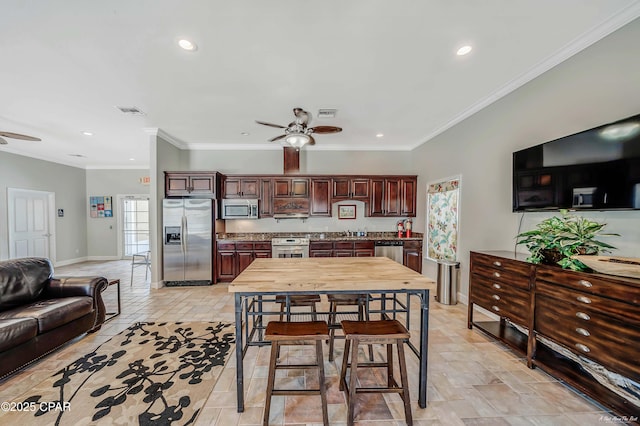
(102, 233)
(68, 184)
(599, 85)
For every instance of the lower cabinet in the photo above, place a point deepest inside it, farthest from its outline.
(412, 255)
(342, 248)
(234, 257)
(580, 327)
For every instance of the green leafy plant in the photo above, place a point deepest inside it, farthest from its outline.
(557, 239)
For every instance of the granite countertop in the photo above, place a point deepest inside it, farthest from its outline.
(315, 236)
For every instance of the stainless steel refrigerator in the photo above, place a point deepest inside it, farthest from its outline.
(188, 241)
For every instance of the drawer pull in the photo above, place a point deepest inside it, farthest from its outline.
(496, 274)
(496, 286)
(583, 348)
(496, 263)
(583, 299)
(583, 316)
(585, 283)
(582, 331)
(496, 297)
(495, 308)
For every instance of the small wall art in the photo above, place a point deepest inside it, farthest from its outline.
(347, 211)
(100, 206)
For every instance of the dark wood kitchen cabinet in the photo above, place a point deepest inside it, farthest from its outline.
(265, 203)
(241, 187)
(412, 255)
(393, 196)
(233, 257)
(285, 187)
(350, 188)
(320, 203)
(342, 248)
(191, 184)
(582, 328)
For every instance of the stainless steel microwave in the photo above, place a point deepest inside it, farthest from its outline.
(235, 208)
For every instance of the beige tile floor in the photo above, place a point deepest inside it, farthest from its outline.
(472, 380)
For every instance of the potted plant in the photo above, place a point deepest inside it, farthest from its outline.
(557, 239)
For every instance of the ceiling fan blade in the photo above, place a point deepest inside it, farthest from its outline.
(3, 142)
(19, 136)
(312, 141)
(325, 129)
(277, 138)
(271, 124)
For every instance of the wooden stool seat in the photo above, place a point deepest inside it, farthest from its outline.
(389, 332)
(346, 299)
(298, 300)
(296, 333)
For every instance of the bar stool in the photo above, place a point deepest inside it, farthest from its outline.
(281, 333)
(345, 299)
(298, 300)
(389, 332)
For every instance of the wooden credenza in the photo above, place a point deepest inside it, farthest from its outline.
(586, 327)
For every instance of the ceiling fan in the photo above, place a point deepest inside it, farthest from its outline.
(297, 133)
(15, 136)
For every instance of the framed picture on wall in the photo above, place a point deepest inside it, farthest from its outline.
(347, 211)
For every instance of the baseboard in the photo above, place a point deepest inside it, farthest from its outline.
(462, 298)
(70, 261)
(100, 258)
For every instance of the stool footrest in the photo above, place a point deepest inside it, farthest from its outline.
(295, 366)
(379, 390)
(286, 392)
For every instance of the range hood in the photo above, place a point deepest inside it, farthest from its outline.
(291, 215)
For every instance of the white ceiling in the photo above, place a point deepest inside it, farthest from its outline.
(387, 66)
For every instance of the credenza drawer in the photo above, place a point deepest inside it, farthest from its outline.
(593, 302)
(501, 264)
(505, 276)
(502, 299)
(590, 333)
(607, 286)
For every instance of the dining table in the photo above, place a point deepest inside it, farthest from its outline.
(379, 278)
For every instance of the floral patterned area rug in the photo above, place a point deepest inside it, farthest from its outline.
(149, 374)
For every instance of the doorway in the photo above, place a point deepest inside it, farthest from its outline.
(133, 225)
(31, 223)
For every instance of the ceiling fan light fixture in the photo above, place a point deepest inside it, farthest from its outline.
(297, 140)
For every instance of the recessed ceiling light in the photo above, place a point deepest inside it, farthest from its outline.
(244, 134)
(132, 159)
(379, 135)
(187, 45)
(464, 50)
(87, 133)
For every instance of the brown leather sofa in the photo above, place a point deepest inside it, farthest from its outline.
(39, 313)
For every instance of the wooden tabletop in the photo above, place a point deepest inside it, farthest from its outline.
(328, 274)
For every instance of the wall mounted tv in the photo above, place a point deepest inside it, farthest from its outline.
(597, 169)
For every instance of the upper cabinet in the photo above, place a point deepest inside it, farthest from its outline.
(191, 184)
(241, 187)
(320, 197)
(393, 196)
(286, 187)
(350, 188)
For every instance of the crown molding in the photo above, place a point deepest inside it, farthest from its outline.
(159, 133)
(578, 44)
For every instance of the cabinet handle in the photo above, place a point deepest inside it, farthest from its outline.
(496, 263)
(495, 308)
(496, 274)
(496, 297)
(583, 316)
(582, 331)
(583, 348)
(585, 283)
(583, 299)
(496, 286)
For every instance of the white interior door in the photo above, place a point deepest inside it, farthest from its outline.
(30, 223)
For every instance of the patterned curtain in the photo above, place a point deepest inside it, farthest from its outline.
(442, 220)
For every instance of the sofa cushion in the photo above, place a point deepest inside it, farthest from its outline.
(23, 280)
(52, 313)
(14, 332)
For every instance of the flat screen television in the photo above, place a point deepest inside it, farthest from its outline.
(597, 169)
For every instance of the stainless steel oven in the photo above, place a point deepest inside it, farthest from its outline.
(289, 247)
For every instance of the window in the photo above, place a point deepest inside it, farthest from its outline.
(135, 213)
(443, 198)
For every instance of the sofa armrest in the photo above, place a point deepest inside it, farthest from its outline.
(80, 286)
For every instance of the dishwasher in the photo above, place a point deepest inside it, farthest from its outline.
(390, 248)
